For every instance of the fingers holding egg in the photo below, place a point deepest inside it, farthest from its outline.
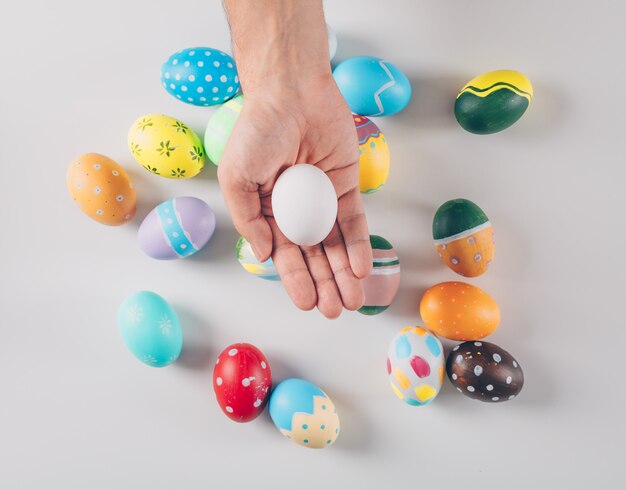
(294, 274)
(349, 285)
(328, 297)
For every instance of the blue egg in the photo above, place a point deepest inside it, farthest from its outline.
(304, 414)
(372, 86)
(200, 76)
(150, 329)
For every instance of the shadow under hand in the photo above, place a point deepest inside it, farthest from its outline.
(222, 244)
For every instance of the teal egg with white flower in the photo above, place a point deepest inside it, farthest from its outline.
(150, 329)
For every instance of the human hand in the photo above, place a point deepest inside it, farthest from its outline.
(283, 124)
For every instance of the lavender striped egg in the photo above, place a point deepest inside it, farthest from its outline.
(176, 228)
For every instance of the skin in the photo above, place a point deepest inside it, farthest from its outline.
(294, 108)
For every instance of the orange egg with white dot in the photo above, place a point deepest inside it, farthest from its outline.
(102, 189)
(459, 311)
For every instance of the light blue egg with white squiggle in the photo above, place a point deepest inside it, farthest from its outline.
(372, 86)
(150, 329)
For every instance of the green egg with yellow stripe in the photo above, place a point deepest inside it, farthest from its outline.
(493, 101)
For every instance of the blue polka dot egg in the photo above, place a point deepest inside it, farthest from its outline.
(200, 76)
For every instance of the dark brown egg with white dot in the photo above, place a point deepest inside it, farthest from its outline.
(485, 372)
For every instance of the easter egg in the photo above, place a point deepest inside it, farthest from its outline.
(463, 237)
(415, 366)
(219, 128)
(200, 76)
(493, 101)
(176, 228)
(332, 42)
(372, 86)
(102, 189)
(304, 413)
(373, 155)
(459, 311)
(304, 204)
(150, 329)
(247, 259)
(382, 285)
(165, 146)
(241, 381)
(485, 372)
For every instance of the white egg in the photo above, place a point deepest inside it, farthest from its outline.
(332, 41)
(304, 203)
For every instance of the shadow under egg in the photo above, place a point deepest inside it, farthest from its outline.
(198, 352)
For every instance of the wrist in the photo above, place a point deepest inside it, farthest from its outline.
(279, 45)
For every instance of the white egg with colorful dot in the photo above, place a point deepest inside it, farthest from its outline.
(415, 365)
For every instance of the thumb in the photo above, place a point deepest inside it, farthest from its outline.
(244, 204)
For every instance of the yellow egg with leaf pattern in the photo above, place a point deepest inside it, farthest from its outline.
(166, 146)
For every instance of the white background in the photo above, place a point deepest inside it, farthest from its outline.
(77, 411)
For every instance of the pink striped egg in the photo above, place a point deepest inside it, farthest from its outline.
(382, 284)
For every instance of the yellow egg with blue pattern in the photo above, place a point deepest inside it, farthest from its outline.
(415, 365)
(304, 414)
(166, 146)
(373, 155)
(493, 101)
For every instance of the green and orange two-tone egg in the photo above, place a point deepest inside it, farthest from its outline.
(493, 101)
(463, 237)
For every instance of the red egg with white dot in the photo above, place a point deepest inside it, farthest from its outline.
(242, 380)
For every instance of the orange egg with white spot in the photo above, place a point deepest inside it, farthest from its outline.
(459, 311)
(102, 189)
